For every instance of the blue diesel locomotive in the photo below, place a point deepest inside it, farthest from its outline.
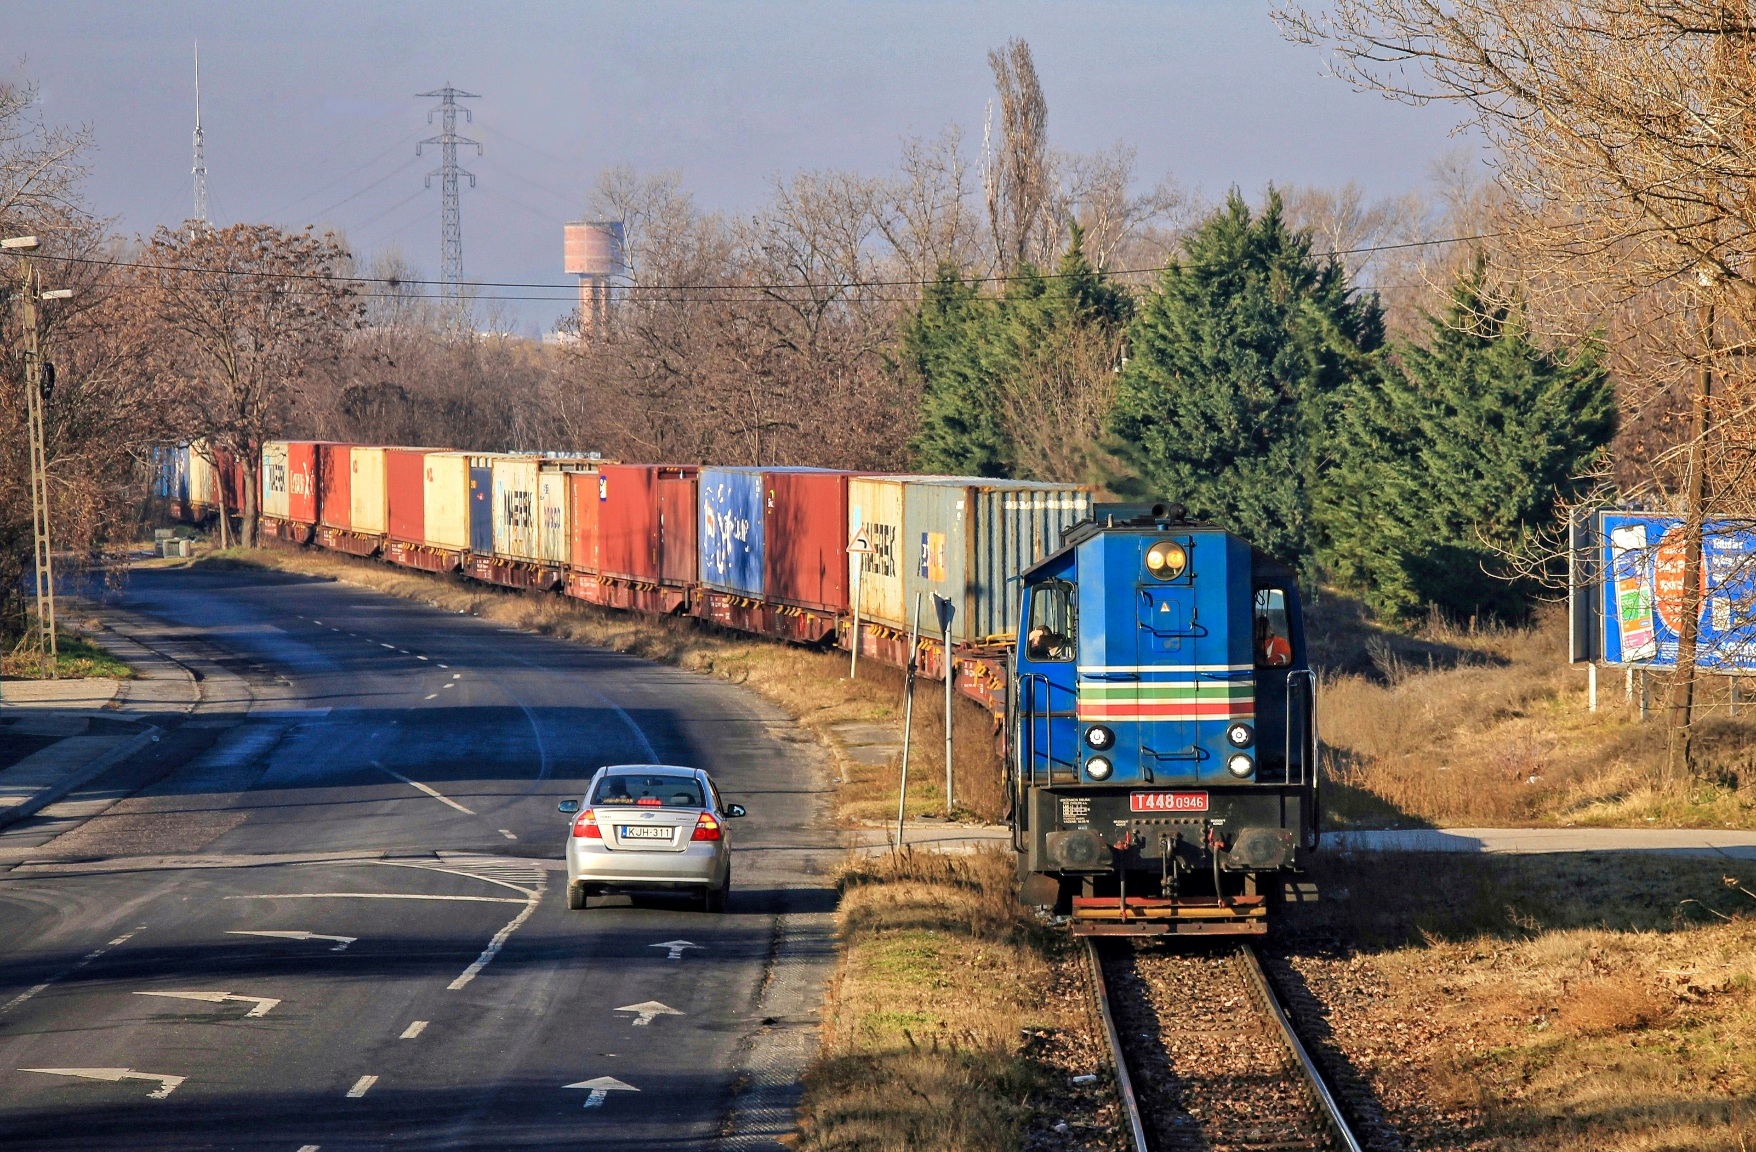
(1163, 735)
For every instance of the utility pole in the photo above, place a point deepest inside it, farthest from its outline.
(451, 222)
(48, 643)
(200, 170)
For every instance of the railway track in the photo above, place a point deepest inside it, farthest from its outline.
(1207, 1058)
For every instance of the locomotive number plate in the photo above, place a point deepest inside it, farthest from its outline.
(1167, 801)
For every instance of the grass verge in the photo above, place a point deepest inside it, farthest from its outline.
(79, 660)
(810, 684)
(1489, 726)
(956, 1021)
(1575, 1002)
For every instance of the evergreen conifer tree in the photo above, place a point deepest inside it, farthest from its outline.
(960, 432)
(1460, 456)
(1237, 358)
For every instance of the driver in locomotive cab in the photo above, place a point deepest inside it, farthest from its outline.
(1272, 649)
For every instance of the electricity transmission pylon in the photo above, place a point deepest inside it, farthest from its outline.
(451, 222)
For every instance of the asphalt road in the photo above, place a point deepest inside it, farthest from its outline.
(328, 910)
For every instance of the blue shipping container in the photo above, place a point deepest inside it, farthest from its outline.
(731, 530)
(481, 505)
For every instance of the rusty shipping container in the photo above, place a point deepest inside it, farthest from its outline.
(805, 528)
(405, 493)
(969, 540)
(445, 500)
(275, 477)
(628, 539)
(582, 517)
(335, 506)
(367, 492)
(515, 508)
(677, 528)
(303, 459)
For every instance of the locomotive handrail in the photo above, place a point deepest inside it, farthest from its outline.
(1306, 763)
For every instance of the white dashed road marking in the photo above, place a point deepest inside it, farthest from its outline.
(416, 784)
(413, 1030)
(361, 1086)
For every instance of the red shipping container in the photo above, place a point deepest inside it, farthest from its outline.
(628, 539)
(302, 457)
(804, 531)
(335, 502)
(677, 526)
(582, 515)
(406, 489)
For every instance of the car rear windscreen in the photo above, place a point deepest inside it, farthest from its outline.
(655, 791)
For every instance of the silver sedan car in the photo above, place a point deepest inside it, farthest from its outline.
(650, 826)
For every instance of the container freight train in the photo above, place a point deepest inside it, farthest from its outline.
(1148, 673)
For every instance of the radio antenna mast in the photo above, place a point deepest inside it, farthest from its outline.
(200, 217)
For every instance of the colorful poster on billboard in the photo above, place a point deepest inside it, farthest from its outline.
(1643, 569)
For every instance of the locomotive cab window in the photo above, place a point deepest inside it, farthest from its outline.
(1053, 628)
(1274, 637)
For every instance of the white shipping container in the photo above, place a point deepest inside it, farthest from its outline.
(274, 480)
(445, 499)
(515, 508)
(366, 495)
(552, 523)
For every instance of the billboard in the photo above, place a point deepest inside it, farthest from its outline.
(1639, 566)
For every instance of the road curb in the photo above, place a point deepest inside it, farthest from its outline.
(79, 777)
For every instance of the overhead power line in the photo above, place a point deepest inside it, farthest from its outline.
(399, 282)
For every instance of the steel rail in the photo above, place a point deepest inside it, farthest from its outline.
(1124, 1084)
(1320, 1093)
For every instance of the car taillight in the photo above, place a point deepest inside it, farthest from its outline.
(706, 827)
(586, 825)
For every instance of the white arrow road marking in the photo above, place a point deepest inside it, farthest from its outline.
(341, 941)
(416, 784)
(264, 1004)
(600, 1088)
(361, 1086)
(676, 947)
(645, 1012)
(167, 1084)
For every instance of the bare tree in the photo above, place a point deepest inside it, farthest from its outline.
(1016, 177)
(926, 217)
(1626, 140)
(253, 311)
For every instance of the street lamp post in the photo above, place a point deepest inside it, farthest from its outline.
(48, 641)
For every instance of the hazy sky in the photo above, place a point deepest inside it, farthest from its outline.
(310, 113)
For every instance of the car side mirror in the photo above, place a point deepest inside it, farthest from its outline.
(735, 810)
(568, 806)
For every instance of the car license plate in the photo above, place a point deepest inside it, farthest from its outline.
(1167, 801)
(645, 832)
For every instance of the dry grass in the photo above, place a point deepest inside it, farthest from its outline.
(1590, 1002)
(812, 685)
(1489, 726)
(956, 1020)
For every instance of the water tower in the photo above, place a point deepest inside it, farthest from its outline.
(593, 251)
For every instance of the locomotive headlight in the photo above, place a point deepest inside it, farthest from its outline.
(1166, 560)
(1097, 768)
(1099, 737)
(1239, 735)
(1240, 765)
